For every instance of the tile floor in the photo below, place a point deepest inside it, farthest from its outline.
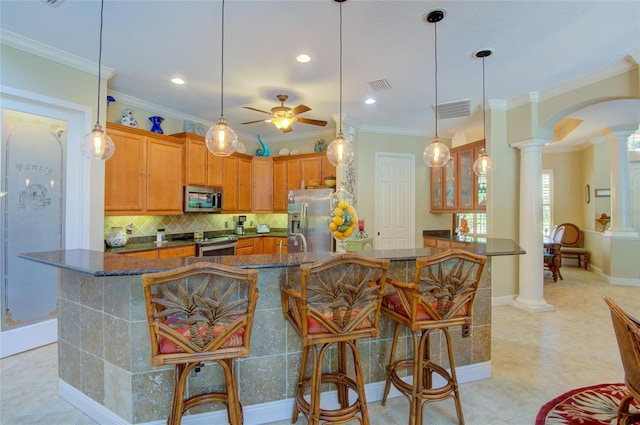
(534, 358)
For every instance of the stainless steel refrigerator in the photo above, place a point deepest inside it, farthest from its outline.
(307, 221)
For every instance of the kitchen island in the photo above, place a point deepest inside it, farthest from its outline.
(103, 342)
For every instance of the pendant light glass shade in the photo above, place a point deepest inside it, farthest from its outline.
(340, 151)
(483, 165)
(221, 140)
(97, 144)
(436, 154)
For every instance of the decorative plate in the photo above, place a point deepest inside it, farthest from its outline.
(241, 148)
(283, 152)
(294, 152)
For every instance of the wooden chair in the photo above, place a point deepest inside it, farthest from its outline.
(551, 255)
(572, 245)
(440, 296)
(337, 303)
(627, 330)
(201, 313)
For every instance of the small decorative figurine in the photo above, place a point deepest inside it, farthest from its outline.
(264, 150)
(127, 118)
(321, 146)
(156, 120)
(187, 126)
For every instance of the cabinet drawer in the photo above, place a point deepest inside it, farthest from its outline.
(177, 251)
(429, 243)
(153, 253)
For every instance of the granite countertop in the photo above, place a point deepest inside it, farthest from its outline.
(98, 263)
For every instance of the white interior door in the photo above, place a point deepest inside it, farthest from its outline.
(395, 201)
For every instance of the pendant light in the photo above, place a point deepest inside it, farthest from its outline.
(340, 151)
(484, 165)
(436, 154)
(221, 140)
(97, 144)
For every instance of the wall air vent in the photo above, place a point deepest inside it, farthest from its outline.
(379, 85)
(54, 3)
(457, 108)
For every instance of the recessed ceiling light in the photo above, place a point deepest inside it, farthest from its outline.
(303, 58)
(177, 80)
(370, 101)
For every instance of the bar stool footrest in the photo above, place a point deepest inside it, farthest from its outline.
(430, 394)
(332, 415)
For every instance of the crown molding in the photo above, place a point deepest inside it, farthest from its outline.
(28, 45)
(617, 68)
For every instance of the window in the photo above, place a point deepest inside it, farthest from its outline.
(634, 142)
(547, 202)
(477, 223)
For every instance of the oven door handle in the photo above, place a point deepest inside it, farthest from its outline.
(218, 246)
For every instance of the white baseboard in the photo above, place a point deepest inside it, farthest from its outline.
(253, 415)
(504, 300)
(28, 337)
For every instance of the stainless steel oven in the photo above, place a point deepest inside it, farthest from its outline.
(225, 245)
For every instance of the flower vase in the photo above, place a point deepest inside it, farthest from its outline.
(342, 218)
(156, 121)
(117, 237)
(127, 119)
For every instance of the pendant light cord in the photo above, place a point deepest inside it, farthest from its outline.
(484, 110)
(100, 61)
(435, 42)
(222, 66)
(340, 67)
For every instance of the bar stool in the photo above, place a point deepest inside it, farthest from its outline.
(337, 303)
(441, 296)
(199, 313)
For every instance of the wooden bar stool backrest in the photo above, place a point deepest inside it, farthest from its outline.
(627, 330)
(338, 299)
(441, 294)
(200, 312)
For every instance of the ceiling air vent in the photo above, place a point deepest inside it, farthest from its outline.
(457, 108)
(54, 3)
(379, 85)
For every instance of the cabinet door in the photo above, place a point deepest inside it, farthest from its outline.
(230, 183)
(311, 169)
(279, 186)
(244, 184)
(195, 164)
(215, 169)
(257, 245)
(244, 246)
(328, 169)
(262, 190)
(177, 252)
(466, 181)
(449, 184)
(293, 175)
(436, 189)
(480, 186)
(125, 182)
(164, 174)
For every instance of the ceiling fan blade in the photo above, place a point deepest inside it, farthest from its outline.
(300, 109)
(312, 122)
(252, 122)
(257, 110)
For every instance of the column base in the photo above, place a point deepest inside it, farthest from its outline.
(532, 306)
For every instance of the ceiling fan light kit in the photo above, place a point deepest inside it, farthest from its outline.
(283, 117)
(97, 144)
(436, 154)
(484, 165)
(221, 140)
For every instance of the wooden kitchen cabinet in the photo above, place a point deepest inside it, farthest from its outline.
(140, 178)
(442, 243)
(455, 187)
(201, 167)
(170, 252)
(262, 185)
(244, 246)
(236, 183)
(316, 167)
(290, 172)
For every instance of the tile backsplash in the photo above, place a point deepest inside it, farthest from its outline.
(147, 225)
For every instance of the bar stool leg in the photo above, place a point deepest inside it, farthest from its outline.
(454, 378)
(300, 385)
(362, 400)
(391, 364)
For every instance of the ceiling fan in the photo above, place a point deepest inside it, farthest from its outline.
(283, 116)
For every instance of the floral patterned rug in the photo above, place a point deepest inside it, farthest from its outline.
(596, 405)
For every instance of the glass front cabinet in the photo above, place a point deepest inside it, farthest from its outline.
(455, 187)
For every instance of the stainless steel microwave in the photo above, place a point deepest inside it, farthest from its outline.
(202, 199)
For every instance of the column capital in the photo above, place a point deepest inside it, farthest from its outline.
(617, 131)
(530, 143)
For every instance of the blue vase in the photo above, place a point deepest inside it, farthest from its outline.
(156, 120)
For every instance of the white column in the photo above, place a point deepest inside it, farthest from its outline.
(531, 283)
(620, 184)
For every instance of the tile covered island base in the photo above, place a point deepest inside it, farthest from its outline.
(104, 352)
